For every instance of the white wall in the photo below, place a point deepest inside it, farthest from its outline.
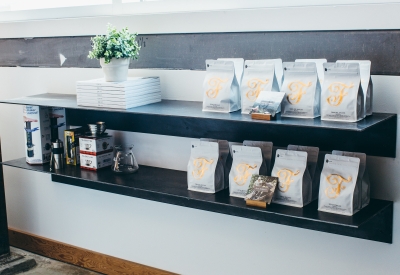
(174, 238)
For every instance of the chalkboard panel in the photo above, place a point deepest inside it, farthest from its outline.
(189, 51)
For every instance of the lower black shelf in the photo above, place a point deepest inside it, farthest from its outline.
(374, 222)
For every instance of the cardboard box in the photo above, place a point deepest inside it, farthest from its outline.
(96, 145)
(92, 162)
(57, 123)
(37, 132)
(71, 145)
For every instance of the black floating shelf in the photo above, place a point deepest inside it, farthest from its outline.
(374, 222)
(375, 135)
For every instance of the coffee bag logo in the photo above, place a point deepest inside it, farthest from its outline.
(336, 187)
(286, 178)
(200, 167)
(256, 85)
(338, 90)
(216, 85)
(297, 89)
(244, 173)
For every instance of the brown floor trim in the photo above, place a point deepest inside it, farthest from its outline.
(79, 256)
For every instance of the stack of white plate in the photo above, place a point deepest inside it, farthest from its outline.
(134, 92)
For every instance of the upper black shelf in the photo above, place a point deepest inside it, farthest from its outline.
(374, 222)
(186, 119)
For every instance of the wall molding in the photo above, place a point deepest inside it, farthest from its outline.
(79, 256)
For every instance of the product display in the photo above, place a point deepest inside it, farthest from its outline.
(366, 83)
(57, 123)
(363, 178)
(267, 105)
(71, 137)
(96, 145)
(95, 162)
(246, 161)
(134, 92)
(295, 185)
(266, 151)
(319, 62)
(57, 155)
(338, 191)
(261, 190)
(204, 172)
(38, 134)
(342, 96)
(302, 89)
(312, 166)
(220, 87)
(124, 160)
(259, 75)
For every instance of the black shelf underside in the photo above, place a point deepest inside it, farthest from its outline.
(375, 135)
(169, 186)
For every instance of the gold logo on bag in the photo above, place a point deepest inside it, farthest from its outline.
(256, 85)
(244, 173)
(200, 167)
(336, 180)
(285, 178)
(338, 90)
(296, 87)
(216, 85)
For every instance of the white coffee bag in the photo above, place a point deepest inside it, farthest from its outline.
(223, 146)
(312, 166)
(246, 162)
(337, 192)
(319, 62)
(363, 178)
(302, 88)
(266, 150)
(205, 172)
(294, 186)
(258, 75)
(342, 97)
(366, 83)
(221, 88)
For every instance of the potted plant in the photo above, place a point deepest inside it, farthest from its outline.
(115, 49)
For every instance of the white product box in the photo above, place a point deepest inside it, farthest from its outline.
(92, 162)
(57, 123)
(96, 145)
(37, 133)
(121, 105)
(119, 94)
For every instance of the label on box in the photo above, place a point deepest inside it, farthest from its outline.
(92, 162)
(37, 134)
(96, 145)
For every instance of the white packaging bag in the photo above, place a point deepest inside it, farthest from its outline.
(294, 186)
(223, 146)
(238, 64)
(246, 162)
(266, 150)
(258, 75)
(312, 166)
(205, 172)
(278, 71)
(366, 83)
(302, 88)
(363, 178)
(342, 97)
(221, 88)
(338, 192)
(319, 62)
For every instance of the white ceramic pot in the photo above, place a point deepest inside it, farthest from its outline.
(116, 70)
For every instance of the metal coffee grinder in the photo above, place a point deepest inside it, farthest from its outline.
(57, 155)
